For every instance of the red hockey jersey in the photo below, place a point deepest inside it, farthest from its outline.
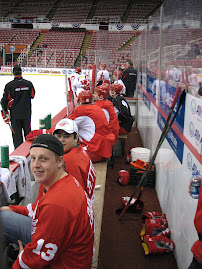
(62, 228)
(111, 116)
(93, 129)
(197, 247)
(78, 164)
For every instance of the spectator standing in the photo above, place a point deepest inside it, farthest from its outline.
(129, 78)
(58, 230)
(17, 98)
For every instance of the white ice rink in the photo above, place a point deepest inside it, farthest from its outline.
(50, 97)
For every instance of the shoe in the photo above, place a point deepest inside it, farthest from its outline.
(12, 251)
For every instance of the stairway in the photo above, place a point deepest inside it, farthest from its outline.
(127, 11)
(33, 47)
(93, 9)
(128, 42)
(84, 47)
(53, 10)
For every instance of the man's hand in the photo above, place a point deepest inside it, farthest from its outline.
(20, 246)
(6, 117)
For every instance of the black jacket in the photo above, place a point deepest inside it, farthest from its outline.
(129, 79)
(22, 91)
(124, 116)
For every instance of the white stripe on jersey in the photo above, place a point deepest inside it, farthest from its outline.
(22, 264)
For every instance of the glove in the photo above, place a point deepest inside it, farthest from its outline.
(157, 244)
(6, 117)
(163, 222)
(33, 134)
(153, 230)
(10, 103)
(153, 215)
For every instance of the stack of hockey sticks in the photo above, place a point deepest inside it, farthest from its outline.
(166, 129)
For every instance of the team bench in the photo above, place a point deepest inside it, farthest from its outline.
(101, 171)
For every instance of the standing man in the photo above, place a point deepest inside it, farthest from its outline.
(129, 78)
(58, 230)
(17, 98)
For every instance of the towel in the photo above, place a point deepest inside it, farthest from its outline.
(24, 180)
(8, 181)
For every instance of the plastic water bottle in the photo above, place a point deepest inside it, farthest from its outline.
(195, 185)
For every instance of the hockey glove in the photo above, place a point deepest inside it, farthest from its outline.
(33, 134)
(135, 205)
(163, 222)
(153, 230)
(157, 244)
(153, 215)
(6, 117)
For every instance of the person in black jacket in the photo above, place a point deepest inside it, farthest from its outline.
(129, 78)
(17, 98)
(121, 107)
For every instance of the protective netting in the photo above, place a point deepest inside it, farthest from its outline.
(169, 48)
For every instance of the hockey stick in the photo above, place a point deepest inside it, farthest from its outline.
(163, 135)
(67, 94)
(71, 92)
(9, 124)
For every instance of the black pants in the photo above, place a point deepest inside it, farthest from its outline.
(17, 127)
(195, 264)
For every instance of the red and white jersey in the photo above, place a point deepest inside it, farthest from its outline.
(193, 81)
(79, 165)
(62, 228)
(111, 116)
(103, 75)
(93, 129)
(89, 74)
(123, 91)
(75, 82)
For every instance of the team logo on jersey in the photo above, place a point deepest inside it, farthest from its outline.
(119, 26)
(76, 25)
(135, 26)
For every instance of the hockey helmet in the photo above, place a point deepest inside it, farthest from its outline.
(103, 90)
(124, 177)
(78, 70)
(85, 97)
(116, 87)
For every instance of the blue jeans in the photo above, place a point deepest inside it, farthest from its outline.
(16, 227)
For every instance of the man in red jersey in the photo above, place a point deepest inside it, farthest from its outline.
(93, 128)
(100, 95)
(197, 246)
(76, 159)
(58, 230)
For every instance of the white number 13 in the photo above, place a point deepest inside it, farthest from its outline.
(49, 254)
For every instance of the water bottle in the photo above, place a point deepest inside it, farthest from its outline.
(195, 185)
